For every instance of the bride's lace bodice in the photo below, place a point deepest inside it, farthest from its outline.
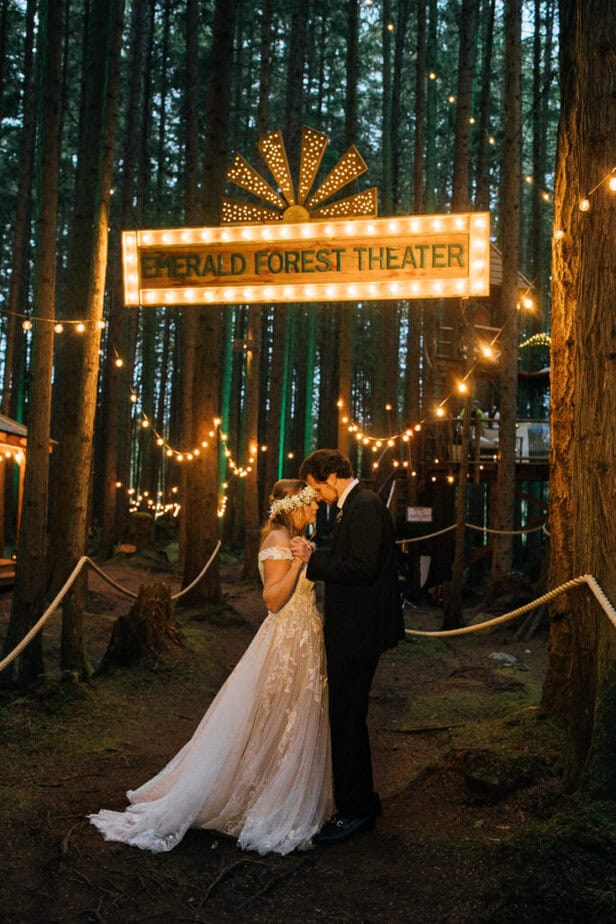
(304, 589)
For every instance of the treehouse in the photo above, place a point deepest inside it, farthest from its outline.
(424, 497)
(13, 449)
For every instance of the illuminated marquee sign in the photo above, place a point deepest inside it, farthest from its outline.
(404, 257)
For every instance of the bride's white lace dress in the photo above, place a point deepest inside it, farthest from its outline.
(258, 766)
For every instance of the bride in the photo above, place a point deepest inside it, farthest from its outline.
(258, 766)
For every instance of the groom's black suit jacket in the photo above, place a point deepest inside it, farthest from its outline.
(363, 615)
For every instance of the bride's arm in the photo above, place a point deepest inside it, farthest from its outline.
(279, 580)
(279, 574)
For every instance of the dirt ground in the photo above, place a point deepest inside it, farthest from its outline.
(474, 826)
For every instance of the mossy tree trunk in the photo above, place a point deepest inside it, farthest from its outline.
(28, 600)
(200, 511)
(84, 299)
(502, 549)
(581, 678)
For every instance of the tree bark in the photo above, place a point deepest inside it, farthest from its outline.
(114, 424)
(84, 299)
(581, 677)
(18, 288)
(462, 141)
(502, 549)
(201, 505)
(28, 602)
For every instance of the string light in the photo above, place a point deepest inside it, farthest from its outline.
(485, 350)
(540, 339)
(609, 179)
(29, 320)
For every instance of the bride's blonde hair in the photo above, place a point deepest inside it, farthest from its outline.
(279, 516)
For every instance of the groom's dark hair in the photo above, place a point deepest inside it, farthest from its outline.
(324, 462)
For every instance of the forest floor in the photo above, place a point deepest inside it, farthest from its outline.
(474, 829)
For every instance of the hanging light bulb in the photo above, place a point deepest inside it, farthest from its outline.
(27, 324)
(584, 205)
(58, 328)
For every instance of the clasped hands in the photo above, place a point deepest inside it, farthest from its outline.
(301, 548)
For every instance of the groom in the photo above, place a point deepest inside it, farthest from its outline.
(362, 619)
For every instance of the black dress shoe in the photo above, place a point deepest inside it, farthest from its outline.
(341, 827)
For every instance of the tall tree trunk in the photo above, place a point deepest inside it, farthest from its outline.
(84, 298)
(28, 600)
(252, 512)
(386, 130)
(18, 288)
(401, 24)
(201, 507)
(116, 378)
(295, 81)
(581, 677)
(3, 58)
(482, 195)
(432, 65)
(502, 548)
(462, 142)
(265, 69)
(192, 216)
(416, 308)
(346, 312)
(464, 346)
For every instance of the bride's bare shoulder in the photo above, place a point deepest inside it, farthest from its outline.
(277, 537)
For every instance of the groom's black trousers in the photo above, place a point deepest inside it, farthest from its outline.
(349, 683)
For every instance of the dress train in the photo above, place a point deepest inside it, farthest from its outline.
(258, 766)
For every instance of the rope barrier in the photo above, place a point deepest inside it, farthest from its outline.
(200, 575)
(53, 606)
(568, 585)
(439, 532)
(480, 529)
(505, 532)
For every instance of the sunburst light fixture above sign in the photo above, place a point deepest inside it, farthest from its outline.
(300, 206)
(300, 245)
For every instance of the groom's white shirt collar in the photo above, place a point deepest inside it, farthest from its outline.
(345, 493)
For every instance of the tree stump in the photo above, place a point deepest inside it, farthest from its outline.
(146, 632)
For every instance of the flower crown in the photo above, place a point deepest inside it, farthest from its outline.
(302, 499)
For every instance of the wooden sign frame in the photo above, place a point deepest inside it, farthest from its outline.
(403, 257)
